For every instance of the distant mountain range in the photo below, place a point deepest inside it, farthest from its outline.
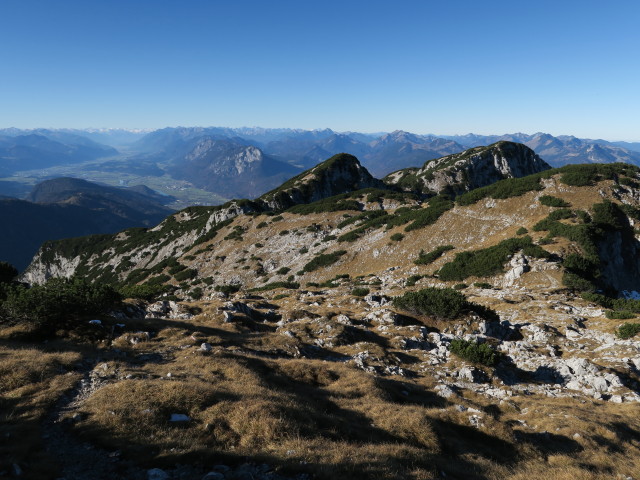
(246, 162)
(380, 154)
(564, 149)
(69, 207)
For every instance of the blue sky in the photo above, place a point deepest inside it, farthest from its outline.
(562, 67)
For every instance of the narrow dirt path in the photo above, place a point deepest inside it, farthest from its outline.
(81, 460)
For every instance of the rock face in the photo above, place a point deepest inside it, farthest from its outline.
(341, 173)
(473, 168)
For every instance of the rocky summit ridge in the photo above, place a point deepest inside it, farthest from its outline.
(473, 168)
(352, 329)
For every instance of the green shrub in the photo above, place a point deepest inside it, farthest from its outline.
(551, 201)
(618, 304)
(432, 256)
(274, 285)
(186, 274)
(609, 216)
(522, 231)
(484, 285)
(629, 182)
(362, 217)
(474, 352)
(581, 177)
(227, 289)
(628, 330)
(145, 291)
(413, 279)
(360, 291)
(158, 280)
(177, 268)
(423, 217)
(396, 237)
(577, 283)
(511, 187)
(332, 204)
(283, 271)
(196, 293)
(583, 216)
(262, 224)
(584, 175)
(323, 260)
(488, 261)
(444, 303)
(57, 303)
(580, 265)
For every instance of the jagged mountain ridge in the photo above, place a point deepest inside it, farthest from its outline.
(383, 154)
(473, 168)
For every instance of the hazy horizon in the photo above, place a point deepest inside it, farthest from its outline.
(423, 67)
(149, 130)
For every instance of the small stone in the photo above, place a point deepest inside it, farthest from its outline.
(205, 347)
(475, 420)
(467, 374)
(179, 417)
(157, 474)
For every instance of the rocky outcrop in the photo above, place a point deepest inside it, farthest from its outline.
(342, 173)
(473, 168)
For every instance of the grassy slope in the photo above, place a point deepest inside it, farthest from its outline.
(269, 395)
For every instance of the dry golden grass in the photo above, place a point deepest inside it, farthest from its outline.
(31, 381)
(256, 394)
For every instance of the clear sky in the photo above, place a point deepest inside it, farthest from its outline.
(562, 67)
